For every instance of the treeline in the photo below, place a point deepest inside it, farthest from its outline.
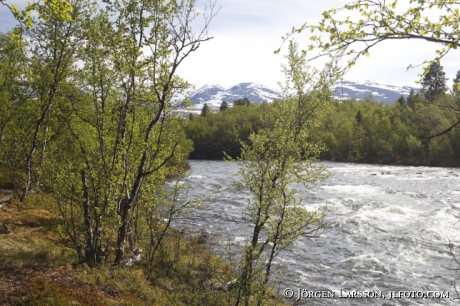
(376, 133)
(214, 133)
(353, 131)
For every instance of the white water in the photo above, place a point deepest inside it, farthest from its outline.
(389, 227)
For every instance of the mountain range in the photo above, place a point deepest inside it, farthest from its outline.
(213, 94)
(363, 89)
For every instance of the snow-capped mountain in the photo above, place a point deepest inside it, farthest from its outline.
(364, 89)
(213, 94)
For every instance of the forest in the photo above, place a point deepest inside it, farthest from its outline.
(353, 131)
(93, 155)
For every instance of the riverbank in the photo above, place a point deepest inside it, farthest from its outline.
(38, 265)
(389, 161)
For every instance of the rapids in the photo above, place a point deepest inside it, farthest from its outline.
(388, 232)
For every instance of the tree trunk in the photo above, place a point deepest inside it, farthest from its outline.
(90, 252)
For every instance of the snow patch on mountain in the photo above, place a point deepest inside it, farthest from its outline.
(214, 94)
(362, 89)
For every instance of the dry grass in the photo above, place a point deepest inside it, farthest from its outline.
(37, 267)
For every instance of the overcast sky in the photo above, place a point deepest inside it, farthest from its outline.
(246, 32)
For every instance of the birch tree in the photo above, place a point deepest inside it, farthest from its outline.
(54, 40)
(121, 135)
(276, 158)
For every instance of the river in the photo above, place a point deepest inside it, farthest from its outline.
(387, 238)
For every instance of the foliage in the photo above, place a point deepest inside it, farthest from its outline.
(347, 135)
(223, 106)
(11, 67)
(186, 102)
(275, 158)
(205, 110)
(346, 37)
(434, 82)
(58, 8)
(381, 21)
(359, 117)
(388, 133)
(240, 102)
(456, 82)
(222, 131)
(100, 136)
(402, 101)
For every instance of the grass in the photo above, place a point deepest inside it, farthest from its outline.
(38, 265)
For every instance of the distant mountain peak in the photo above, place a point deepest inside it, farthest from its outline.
(361, 89)
(214, 94)
(251, 85)
(214, 88)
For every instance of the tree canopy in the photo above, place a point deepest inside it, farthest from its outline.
(434, 82)
(379, 22)
(88, 116)
(61, 9)
(348, 38)
(223, 106)
(456, 81)
(241, 102)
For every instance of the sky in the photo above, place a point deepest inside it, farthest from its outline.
(246, 33)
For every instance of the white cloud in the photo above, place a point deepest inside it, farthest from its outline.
(247, 32)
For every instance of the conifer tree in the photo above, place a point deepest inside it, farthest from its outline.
(223, 106)
(359, 117)
(402, 100)
(204, 110)
(434, 82)
(411, 98)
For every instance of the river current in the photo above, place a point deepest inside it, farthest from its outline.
(387, 240)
